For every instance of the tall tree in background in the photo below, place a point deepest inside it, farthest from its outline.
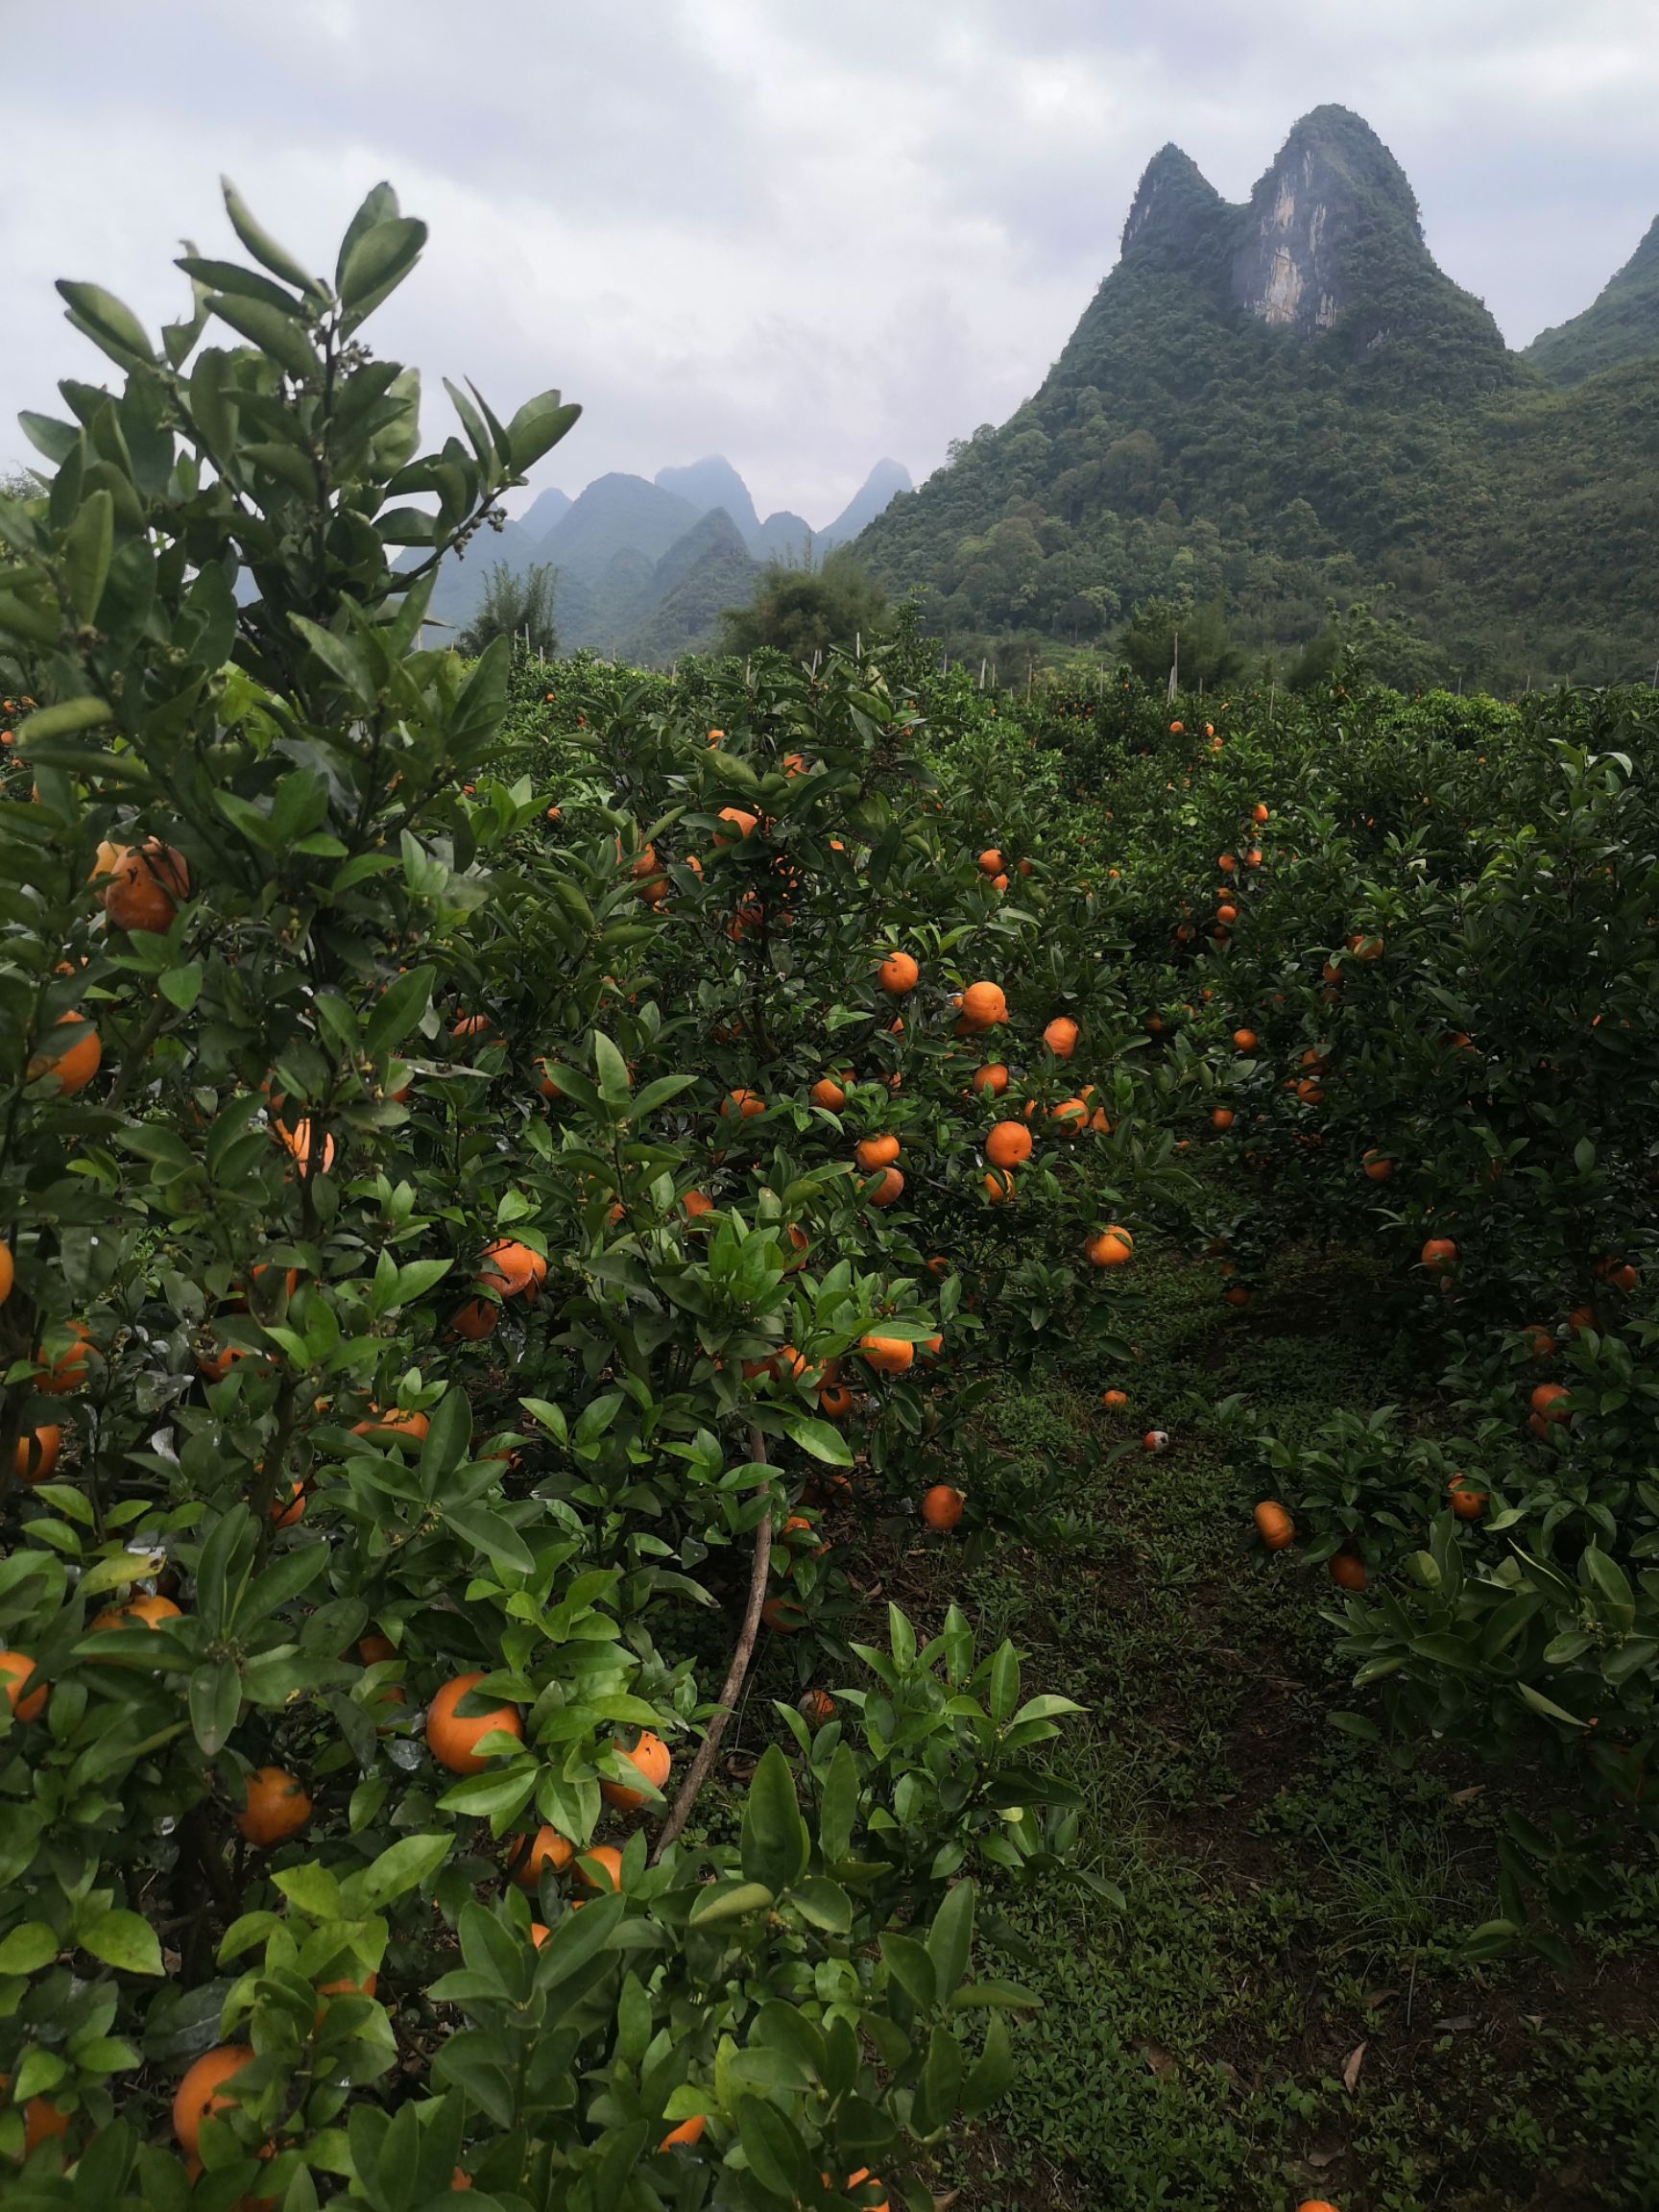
(516, 603)
(1207, 653)
(806, 611)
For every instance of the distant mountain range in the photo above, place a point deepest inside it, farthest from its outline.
(1283, 403)
(647, 567)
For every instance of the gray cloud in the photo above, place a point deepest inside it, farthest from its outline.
(800, 236)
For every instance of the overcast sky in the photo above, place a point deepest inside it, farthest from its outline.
(803, 233)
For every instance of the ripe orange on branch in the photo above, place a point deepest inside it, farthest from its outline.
(452, 1737)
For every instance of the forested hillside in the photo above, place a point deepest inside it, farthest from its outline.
(1282, 404)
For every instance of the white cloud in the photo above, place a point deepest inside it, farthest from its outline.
(802, 237)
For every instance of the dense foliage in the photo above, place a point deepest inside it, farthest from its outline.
(525, 1182)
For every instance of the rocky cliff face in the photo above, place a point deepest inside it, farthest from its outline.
(1334, 184)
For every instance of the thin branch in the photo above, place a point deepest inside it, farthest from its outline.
(703, 1765)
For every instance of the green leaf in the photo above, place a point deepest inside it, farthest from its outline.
(718, 1903)
(774, 1842)
(824, 1903)
(313, 1890)
(536, 428)
(400, 1007)
(1356, 1725)
(29, 1948)
(60, 720)
(819, 1439)
(215, 1700)
(838, 1806)
(88, 545)
(405, 1866)
(113, 327)
(951, 1936)
(776, 2154)
(992, 2074)
(181, 987)
(282, 337)
(122, 1939)
(260, 243)
(1546, 1706)
(377, 262)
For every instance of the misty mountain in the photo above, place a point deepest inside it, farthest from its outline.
(1274, 405)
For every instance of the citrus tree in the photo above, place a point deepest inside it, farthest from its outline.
(430, 1283)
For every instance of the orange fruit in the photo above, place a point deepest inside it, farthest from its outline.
(1222, 1117)
(898, 973)
(1110, 1248)
(1467, 1502)
(942, 1506)
(1377, 1167)
(890, 1188)
(1439, 1255)
(452, 1737)
(992, 1079)
(547, 1087)
(688, 2131)
(742, 822)
(600, 1867)
(1347, 1572)
(1244, 1040)
(201, 2091)
(15, 1669)
(470, 1026)
(989, 861)
(7, 1273)
(1114, 1399)
(1008, 1144)
(827, 1095)
(68, 1372)
(998, 1185)
(1236, 1295)
(651, 1758)
(1549, 1402)
(1061, 1037)
(545, 1848)
(1274, 1526)
(888, 1354)
(144, 888)
(1177, 729)
(835, 1401)
(42, 2123)
(1259, 812)
(983, 1006)
(276, 1807)
(73, 1059)
(475, 1321)
(818, 1708)
(513, 1266)
(1073, 1115)
(285, 1516)
(1365, 948)
(695, 1204)
(297, 1143)
(395, 1427)
(741, 1105)
(37, 1454)
(858, 2180)
(136, 1613)
(872, 1152)
(345, 1986)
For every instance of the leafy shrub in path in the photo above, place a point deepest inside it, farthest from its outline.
(450, 1226)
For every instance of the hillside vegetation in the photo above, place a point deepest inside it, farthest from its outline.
(1286, 405)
